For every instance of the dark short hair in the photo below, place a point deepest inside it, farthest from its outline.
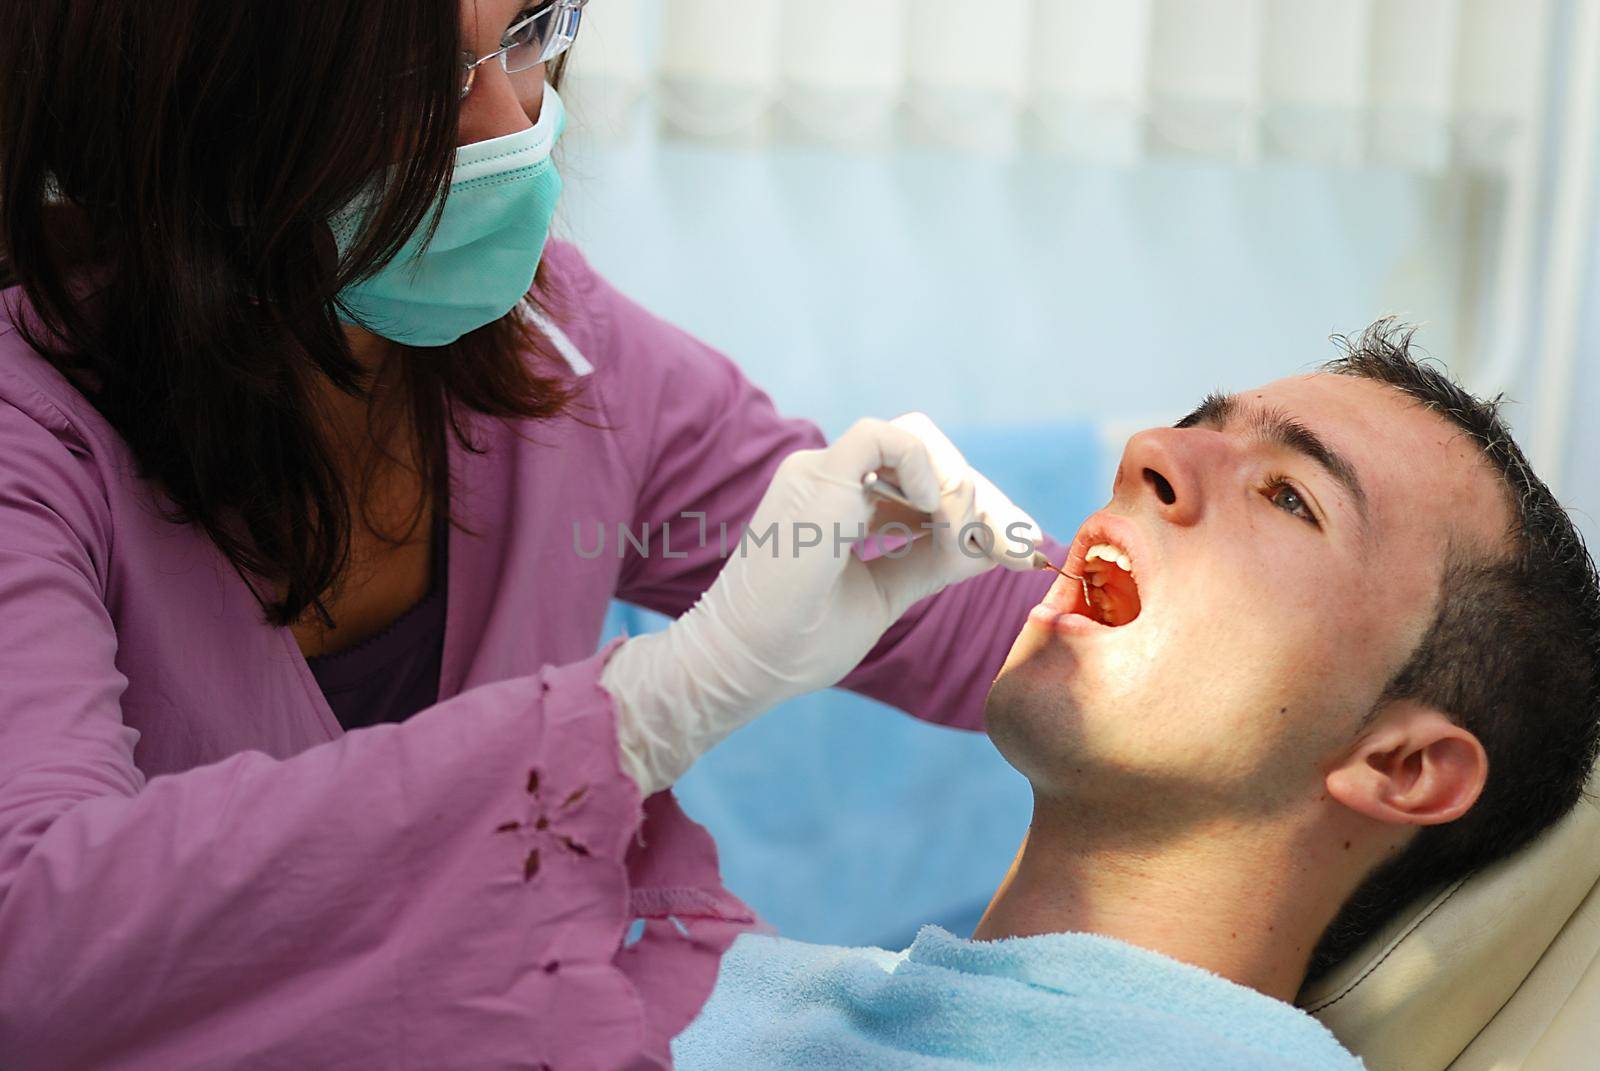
(1512, 655)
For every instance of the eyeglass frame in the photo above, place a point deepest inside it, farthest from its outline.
(470, 62)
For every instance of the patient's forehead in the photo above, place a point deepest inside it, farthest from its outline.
(1425, 477)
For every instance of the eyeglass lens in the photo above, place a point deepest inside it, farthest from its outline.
(541, 38)
(546, 36)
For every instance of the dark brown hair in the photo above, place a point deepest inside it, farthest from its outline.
(166, 174)
(1512, 655)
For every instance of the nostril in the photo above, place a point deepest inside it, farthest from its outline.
(1163, 489)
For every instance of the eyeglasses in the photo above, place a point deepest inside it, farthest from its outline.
(530, 41)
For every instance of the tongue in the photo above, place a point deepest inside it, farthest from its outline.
(1116, 602)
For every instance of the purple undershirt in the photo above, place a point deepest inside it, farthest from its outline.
(395, 673)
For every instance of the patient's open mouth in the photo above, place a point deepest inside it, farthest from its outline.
(1100, 585)
(1111, 593)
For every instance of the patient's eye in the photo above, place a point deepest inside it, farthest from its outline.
(1287, 497)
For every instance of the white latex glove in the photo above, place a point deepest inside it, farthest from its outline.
(799, 611)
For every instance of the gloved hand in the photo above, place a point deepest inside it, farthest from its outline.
(797, 610)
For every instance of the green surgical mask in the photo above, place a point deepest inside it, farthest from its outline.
(484, 252)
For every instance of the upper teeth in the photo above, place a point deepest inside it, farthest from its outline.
(1111, 553)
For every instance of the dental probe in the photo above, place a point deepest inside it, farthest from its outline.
(878, 487)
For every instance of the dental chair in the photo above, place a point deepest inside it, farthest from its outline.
(1500, 971)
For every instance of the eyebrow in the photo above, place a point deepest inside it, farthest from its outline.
(1274, 427)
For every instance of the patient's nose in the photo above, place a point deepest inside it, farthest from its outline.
(1157, 474)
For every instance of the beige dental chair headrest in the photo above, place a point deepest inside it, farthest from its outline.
(1500, 971)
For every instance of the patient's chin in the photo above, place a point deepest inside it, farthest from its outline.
(1030, 717)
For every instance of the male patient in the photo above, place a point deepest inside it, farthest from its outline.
(1339, 646)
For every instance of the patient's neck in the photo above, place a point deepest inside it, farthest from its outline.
(1246, 901)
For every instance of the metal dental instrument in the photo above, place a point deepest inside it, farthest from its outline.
(878, 487)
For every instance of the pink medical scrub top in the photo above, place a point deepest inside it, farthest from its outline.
(199, 868)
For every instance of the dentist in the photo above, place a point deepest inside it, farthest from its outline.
(315, 462)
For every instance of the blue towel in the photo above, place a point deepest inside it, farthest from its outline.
(1065, 1001)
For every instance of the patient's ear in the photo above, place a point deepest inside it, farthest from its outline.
(1414, 766)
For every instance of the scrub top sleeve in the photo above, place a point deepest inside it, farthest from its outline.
(704, 439)
(703, 443)
(940, 658)
(448, 892)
